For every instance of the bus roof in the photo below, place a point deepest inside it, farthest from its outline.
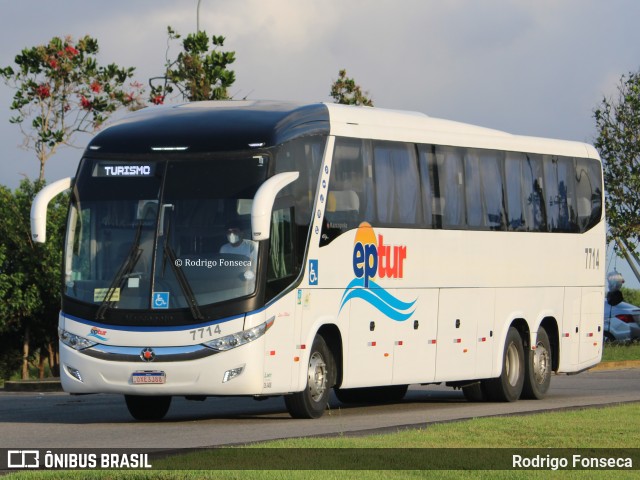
(404, 126)
(239, 125)
(211, 126)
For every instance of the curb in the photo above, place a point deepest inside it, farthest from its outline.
(48, 385)
(617, 365)
(53, 384)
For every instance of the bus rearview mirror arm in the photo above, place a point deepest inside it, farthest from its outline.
(39, 207)
(263, 204)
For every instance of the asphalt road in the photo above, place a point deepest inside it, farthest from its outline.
(58, 420)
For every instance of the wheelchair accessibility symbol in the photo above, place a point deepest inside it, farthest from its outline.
(313, 272)
(160, 300)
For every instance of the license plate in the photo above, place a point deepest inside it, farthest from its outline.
(148, 377)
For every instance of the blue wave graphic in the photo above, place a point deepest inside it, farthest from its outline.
(379, 298)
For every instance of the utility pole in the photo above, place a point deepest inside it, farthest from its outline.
(198, 17)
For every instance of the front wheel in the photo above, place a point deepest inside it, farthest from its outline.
(148, 408)
(508, 386)
(321, 376)
(537, 372)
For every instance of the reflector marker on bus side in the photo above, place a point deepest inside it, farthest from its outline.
(432, 342)
(482, 339)
(590, 334)
(371, 344)
(565, 335)
(457, 340)
(301, 347)
(399, 343)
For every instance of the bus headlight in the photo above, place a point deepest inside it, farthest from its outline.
(74, 341)
(240, 338)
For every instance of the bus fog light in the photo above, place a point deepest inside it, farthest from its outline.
(74, 373)
(233, 373)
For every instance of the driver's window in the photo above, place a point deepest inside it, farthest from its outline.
(280, 264)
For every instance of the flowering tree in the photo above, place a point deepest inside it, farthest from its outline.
(197, 73)
(346, 91)
(61, 90)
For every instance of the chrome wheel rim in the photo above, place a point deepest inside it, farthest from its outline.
(541, 363)
(317, 376)
(512, 364)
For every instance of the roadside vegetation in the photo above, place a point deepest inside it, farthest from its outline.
(619, 352)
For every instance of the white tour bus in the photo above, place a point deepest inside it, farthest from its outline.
(262, 249)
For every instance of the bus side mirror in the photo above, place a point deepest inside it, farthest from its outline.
(263, 203)
(39, 208)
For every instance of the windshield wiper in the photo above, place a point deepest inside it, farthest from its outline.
(182, 281)
(179, 274)
(125, 269)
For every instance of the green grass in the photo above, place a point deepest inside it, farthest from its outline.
(618, 352)
(609, 427)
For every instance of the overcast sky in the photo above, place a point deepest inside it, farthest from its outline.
(527, 67)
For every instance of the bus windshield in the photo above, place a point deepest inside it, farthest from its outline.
(168, 234)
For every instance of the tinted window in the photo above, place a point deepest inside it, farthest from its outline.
(588, 193)
(427, 175)
(560, 192)
(397, 184)
(450, 186)
(350, 186)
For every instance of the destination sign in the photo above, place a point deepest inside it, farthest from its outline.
(123, 170)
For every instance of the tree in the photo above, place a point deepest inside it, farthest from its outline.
(347, 92)
(61, 90)
(30, 275)
(197, 73)
(618, 141)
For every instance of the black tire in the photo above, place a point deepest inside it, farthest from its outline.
(148, 408)
(391, 393)
(508, 386)
(321, 377)
(537, 372)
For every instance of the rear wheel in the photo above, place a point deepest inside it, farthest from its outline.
(147, 408)
(321, 375)
(508, 386)
(392, 393)
(537, 376)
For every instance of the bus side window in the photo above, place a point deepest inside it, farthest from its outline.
(513, 179)
(451, 186)
(397, 184)
(346, 198)
(588, 193)
(493, 190)
(560, 193)
(428, 176)
(535, 206)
